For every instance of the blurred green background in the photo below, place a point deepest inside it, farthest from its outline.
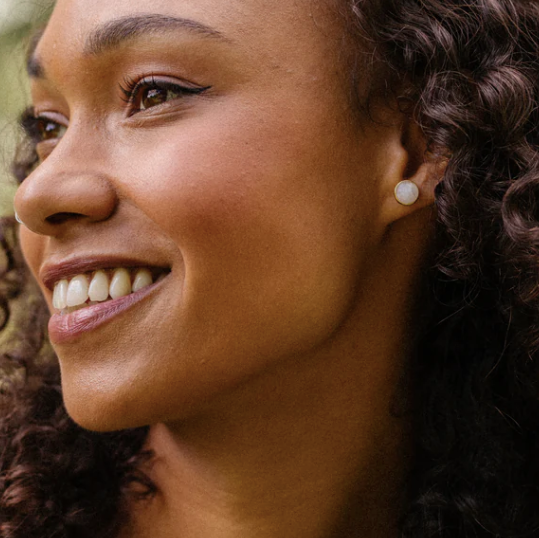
(17, 20)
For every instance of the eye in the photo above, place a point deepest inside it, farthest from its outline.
(43, 132)
(41, 128)
(49, 129)
(156, 96)
(152, 92)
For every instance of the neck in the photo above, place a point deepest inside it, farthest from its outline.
(293, 467)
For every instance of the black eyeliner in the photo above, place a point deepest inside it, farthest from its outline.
(131, 87)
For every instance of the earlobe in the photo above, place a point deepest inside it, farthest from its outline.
(409, 194)
(419, 189)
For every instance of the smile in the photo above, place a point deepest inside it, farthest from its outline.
(86, 301)
(101, 286)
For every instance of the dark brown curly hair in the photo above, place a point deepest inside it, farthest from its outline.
(467, 71)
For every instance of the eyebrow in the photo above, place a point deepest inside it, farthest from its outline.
(34, 68)
(114, 33)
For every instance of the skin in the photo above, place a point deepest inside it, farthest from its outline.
(269, 360)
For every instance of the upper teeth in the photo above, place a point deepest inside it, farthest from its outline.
(81, 288)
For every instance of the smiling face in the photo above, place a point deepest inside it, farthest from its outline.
(213, 143)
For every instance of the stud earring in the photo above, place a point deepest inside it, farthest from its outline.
(18, 219)
(406, 192)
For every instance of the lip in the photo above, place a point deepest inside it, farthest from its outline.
(50, 273)
(69, 327)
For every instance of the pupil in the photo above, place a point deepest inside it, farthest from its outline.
(153, 97)
(48, 130)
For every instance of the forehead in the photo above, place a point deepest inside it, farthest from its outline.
(260, 25)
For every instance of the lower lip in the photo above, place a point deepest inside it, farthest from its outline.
(65, 328)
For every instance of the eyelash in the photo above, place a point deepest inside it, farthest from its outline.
(132, 91)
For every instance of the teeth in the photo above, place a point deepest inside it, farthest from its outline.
(77, 291)
(99, 287)
(87, 289)
(143, 278)
(120, 285)
(60, 295)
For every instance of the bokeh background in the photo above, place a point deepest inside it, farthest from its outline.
(18, 18)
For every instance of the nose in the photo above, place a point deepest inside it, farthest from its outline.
(53, 197)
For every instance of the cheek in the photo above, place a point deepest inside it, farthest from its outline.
(267, 227)
(217, 176)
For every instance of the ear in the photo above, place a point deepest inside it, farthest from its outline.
(408, 159)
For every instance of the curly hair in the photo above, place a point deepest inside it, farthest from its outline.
(467, 72)
(471, 70)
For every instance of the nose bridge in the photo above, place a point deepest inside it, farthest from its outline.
(69, 185)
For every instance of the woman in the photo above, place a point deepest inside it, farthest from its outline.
(289, 250)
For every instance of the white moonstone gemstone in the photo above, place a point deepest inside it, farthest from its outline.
(77, 291)
(406, 192)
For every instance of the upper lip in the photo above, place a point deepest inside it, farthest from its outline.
(50, 272)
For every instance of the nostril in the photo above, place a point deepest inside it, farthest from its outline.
(60, 218)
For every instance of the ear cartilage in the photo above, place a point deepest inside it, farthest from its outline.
(406, 192)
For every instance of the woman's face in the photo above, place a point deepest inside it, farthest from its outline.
(211, 142)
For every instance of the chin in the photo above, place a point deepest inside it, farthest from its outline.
(102, 407)
(105, 403)
(99, 416)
